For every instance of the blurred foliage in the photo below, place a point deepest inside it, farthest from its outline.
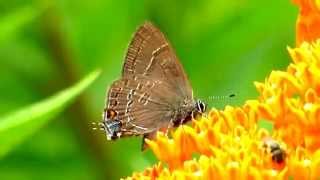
(19, 125)
(46, 46)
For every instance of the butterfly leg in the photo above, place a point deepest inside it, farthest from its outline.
(171, 124)
(183, 137)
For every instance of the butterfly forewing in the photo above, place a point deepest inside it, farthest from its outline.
(150, 54)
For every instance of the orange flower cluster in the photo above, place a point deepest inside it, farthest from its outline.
(229, 144)
(308, 21)
(291, 99)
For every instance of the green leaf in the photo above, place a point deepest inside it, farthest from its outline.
(12, 23)
(17, 126)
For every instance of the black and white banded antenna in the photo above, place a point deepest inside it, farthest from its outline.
(223, 97)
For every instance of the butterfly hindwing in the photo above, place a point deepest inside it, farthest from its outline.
(139, 105)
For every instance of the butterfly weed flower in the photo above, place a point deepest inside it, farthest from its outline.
(229, 143)
(308, 21)
(291, 99)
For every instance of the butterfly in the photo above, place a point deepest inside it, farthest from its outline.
(153, 92)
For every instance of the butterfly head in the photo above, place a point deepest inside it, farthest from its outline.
(200, 106)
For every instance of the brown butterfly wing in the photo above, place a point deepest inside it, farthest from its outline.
(141, 104)
(150, 54)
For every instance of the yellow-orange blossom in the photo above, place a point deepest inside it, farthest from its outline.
(228, 142)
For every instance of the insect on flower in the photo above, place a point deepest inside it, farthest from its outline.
(272, 147)
(153, 92)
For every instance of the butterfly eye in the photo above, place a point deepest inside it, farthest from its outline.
(201, 106)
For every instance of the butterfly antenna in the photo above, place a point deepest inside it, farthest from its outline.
(222, 97)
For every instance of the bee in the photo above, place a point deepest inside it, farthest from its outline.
(272, 147)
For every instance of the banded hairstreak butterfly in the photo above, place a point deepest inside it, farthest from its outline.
(153, 92)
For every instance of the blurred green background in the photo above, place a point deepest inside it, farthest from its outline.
(46, 46)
